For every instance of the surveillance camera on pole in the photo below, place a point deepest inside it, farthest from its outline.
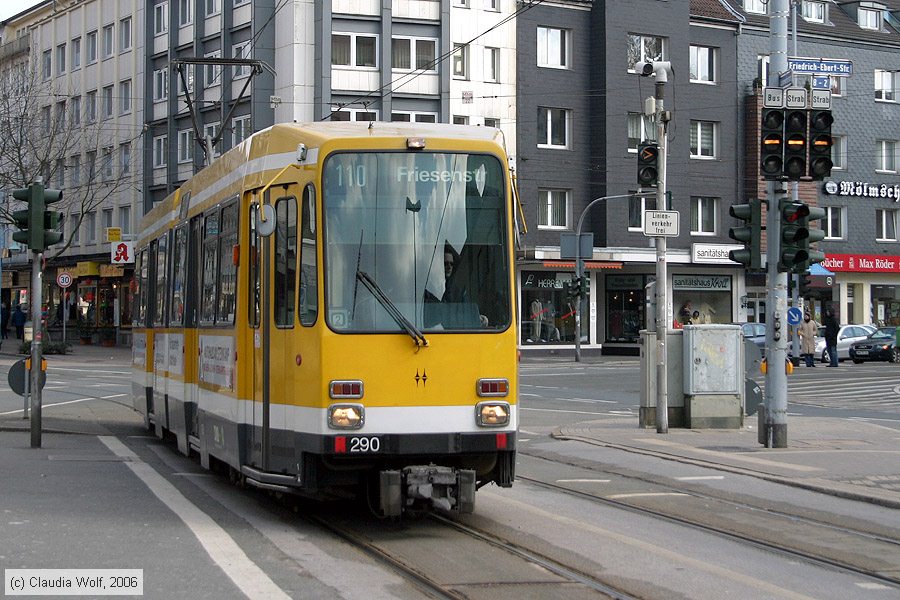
(660, 68)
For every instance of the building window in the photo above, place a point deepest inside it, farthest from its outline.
(75, 51)
(160, 85)
(212, 73)
(185, 14)
(461, 61)
(646, 48)
(240, 130)
(553, 48)
(759, 7)
(703, 139)
(886, 156)
(91, 108)
(125, 218)
(188, 76)
(492, 122)
(461, 3)
(125, 157)
(60, 59)
(125, 34)
(160, 149)
(76, 169)
(76, 232)
(460, 120)
(91, 47)
(354, 50)
(75, 111)
(493, 5)
(492, 65)
(885, 225)
(833, 223)
(240, 2)
(703, 215)
(553, 127)
(703, 64)
(241, 50)
(90, 227)
(353, 114)
(47, 61)
(553, 209)
(869, 18)
(637, 206)
(837, 86)
(60, 115)
(125, 96)
(90, 160)
(212, 7)
(839, 152)
(885, 85)
(108, 102)
(108, 38)
(640, 129)
(414, 117)
(107, 165)
(107, 218)
(403, 51)
(161, 18)
(210, 131)
(185, 146)
(814, 12)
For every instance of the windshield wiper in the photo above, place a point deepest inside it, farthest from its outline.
(391, 308)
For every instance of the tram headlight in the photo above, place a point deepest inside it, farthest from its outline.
(346, 416)
(492, 414)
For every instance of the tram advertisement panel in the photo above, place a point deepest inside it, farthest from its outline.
(217, 360)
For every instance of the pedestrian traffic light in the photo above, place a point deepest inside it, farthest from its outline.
(648, 165)
(820, 143)
(750, 233)
(795, 144)
(771, 153)
(794, 236)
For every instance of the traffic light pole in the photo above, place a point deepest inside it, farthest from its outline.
(662, 271)
(775, 433)
(37, 335)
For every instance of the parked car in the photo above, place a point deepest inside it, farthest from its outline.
(881, 345)
(756, 333)
(847, 334)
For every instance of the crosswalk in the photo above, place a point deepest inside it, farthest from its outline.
(856, 387)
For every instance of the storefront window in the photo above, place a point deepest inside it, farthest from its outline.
(886, 304)
(701, 299)
(624, 307)
(548, 314)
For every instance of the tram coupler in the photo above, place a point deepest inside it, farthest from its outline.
(443, 488)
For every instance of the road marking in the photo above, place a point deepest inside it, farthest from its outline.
(43, 406)
(644, 495)
(573, 412)
(220, 546)
(871, 585)
(529, 395)
(700, 478)
(583, 480)
(528, 432)
(732, 456)
(587, 400)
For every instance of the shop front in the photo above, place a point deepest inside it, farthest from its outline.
(867, 289)
(701, 299)
(548, 313)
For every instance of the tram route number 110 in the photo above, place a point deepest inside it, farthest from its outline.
(351, 176)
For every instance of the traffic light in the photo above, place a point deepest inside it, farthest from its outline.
(585, 286)
(771, 153)
(795, 144)
(813, 235)
(572, 289)
(34, 221)
(648, 165)
(820, 142)
(794, 236)
(804, 280)
(749, 234)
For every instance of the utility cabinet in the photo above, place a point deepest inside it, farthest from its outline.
(713, 376)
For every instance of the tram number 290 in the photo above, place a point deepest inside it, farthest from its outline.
(365, 444)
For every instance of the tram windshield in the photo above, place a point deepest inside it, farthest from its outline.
(419, 237)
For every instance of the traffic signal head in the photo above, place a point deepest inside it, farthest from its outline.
(648, 165)
(34, 221)
(52, 220)
(813, 235)
(771, 153)
(795, 143)
(793, 235)
(750, 233)
(804, 283)
(820, 143)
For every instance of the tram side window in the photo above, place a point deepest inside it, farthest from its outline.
(210, 260)
(285, 261)
(309, 299)
(160, 314)
(179, 268)
(253, 279)
(140, 307)
(228, 270)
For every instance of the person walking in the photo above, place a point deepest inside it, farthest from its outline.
(831, 332)
(18, 321)
(808, 329)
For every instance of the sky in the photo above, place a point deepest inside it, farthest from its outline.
(9, 8)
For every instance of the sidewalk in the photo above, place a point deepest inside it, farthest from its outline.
(849, 458)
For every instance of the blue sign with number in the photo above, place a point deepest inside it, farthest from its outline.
(794, 316)
(821, 82)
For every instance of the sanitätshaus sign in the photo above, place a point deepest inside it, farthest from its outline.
(862, 263)
(701, 283)
(863, 189)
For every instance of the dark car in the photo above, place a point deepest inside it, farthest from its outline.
(881, 345)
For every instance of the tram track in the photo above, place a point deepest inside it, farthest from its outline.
(877, 544)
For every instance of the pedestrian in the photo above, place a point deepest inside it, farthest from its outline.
(18, 321)
(808, 330)
(831, 333)
(4, 320)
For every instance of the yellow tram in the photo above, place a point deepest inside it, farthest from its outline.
(329, 307)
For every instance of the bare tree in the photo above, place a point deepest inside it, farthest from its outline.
(67, 139)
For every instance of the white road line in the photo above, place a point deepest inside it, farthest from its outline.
(700, 478)
(644, 495)
(43, 405)
(528, 432)
(573, 412)
(583, 480)
(220, 546)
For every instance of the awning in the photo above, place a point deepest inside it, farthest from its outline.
(588, 264)
(818, 269)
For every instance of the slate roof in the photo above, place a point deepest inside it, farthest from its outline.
(714, 9)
